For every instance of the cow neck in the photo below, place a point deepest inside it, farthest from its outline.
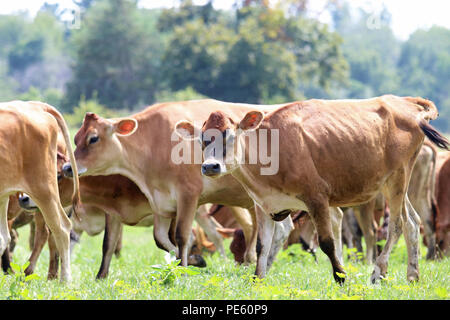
(134, 164)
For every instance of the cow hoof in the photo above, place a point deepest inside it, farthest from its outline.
(51, 276)
(196, 261)
(101, 276)
(413, 276)
(376, 275)
(340, 279)
(28, 271)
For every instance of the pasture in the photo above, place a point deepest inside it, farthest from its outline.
(293, 276)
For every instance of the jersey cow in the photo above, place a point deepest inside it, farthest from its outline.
(332, 153)
(142, 146)
(29, 134)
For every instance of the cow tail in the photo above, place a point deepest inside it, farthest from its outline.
(428, 113)
(76, 198)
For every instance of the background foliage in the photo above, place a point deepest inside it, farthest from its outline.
(125, 57)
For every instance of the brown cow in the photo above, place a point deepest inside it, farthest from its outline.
(29, 133)
(442, 192)
(331, 153)
(142, 148)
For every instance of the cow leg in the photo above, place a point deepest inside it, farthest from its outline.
(394, 191)
(281, 234)
(266, 227)
(336, 216)
(6, 261)
(113, 230)
(364, 216)
(426, 215)
(320, 215)
(119, 244)
(411, 231)
(40, 238)
(14, 240)
(207, 224)
(5, 237)
(247, 221)
(161, 232)
(59, 224)
(32, 234)
(250, 249)
(186, 208)
(54, 259)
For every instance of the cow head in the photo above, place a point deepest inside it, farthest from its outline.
(97, 143)
(220, 139)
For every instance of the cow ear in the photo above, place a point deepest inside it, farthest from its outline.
(186, 130)
(251, 121)
(125, 127)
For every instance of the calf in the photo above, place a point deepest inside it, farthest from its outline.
(332, 153)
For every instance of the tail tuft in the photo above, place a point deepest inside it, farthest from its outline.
(433, 135)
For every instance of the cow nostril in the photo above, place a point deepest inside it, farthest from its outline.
(215, 166)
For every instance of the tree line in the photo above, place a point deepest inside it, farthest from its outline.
(125, 57)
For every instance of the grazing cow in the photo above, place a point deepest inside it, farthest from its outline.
(332, 153)
(142, 148)
(442, 192)
(29, 133)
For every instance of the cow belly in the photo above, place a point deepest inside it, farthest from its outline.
(146, 222)
(276, 202)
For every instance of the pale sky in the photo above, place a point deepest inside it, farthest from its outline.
(407, 15)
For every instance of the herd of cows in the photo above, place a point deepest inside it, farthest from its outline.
(345, 169)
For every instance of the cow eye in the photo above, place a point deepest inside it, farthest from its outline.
(93, 139)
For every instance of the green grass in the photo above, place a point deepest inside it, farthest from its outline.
(294, 275)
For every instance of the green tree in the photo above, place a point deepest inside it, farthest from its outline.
(372, 53)
(112, 54)
(259, 55)
(424, 66)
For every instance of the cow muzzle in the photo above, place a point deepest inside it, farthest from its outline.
(211, 168)
(26, 203)
(67, 170)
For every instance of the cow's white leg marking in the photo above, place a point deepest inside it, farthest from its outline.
(266, 228)
(411, 231)
(337, 216)
(161, 233)
(280, 235)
